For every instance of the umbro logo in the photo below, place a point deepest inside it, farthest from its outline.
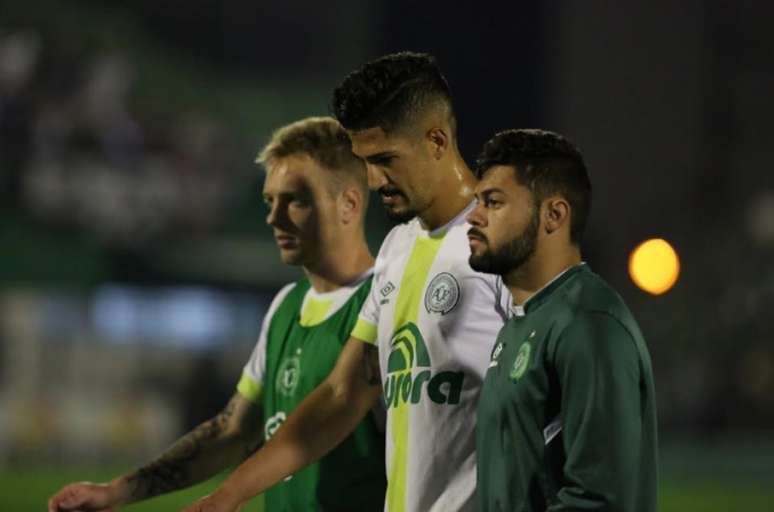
(385, 291)
(495, 354)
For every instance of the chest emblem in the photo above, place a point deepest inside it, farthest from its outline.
(288, 376)
(521, 362)
(442, 294)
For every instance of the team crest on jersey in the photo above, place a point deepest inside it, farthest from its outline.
(442, 294)
(288, 375)
(521, 362)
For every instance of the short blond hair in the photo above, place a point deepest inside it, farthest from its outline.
(324, 140)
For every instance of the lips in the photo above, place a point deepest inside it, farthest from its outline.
(286, 241)
(389, 200)
(389, 193)
(476, 235)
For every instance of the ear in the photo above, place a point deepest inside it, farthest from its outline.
(438, 140)
(350, 204)
(556, 214)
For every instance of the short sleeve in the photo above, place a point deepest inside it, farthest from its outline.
(250, 384)
(366, 327)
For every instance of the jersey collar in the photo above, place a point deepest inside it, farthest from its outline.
(341, 290)
(458, 219)
(545, 292)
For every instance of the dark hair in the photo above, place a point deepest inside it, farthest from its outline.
(547, 164)
(388, 91)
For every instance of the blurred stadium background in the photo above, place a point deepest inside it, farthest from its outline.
(135, 266)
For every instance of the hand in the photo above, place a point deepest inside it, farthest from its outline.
(219, 501)
(85, 497)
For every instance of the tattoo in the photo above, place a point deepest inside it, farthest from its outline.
(172, 470)
(371, 365)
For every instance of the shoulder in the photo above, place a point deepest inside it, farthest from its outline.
(399, 236)
(597, 335)
(359, 290)
(283, 294)
(285, 291)
(591, 311)
(398, 242)
(587, 296)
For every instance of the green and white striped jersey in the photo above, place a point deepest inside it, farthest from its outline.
(300, 342)
(434, 320)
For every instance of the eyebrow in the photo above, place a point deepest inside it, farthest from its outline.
(380, 156)
(489, 192)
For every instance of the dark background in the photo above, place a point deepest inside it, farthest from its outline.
(135, 266)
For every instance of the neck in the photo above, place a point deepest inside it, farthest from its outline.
(538, 271)
(341, 267)
(454, 193)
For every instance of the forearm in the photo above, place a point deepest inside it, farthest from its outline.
(195, 457)
(322, 421)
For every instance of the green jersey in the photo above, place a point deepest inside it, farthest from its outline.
(567, 416)
(302, 336)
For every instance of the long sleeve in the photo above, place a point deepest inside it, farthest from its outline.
(598, 366)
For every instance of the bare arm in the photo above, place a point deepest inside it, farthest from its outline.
(322, 421)
(225, 440)
(220, 442)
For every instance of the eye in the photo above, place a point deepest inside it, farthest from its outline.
(299, 201)
(383, 161)
(490, 202)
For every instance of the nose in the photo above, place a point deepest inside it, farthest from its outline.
(376, 177)
(476, 216)
(273, 217)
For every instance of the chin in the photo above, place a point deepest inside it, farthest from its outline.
(400, 214)
(292, 258)
(481, 262)
(476, 264)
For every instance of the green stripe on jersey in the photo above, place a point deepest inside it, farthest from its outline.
(407, 310)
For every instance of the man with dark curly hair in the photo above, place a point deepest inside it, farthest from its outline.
(567, 415)
(423, 337)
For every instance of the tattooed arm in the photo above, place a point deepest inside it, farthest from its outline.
(322, 421)
(220, 442)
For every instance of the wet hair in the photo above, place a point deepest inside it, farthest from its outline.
(390, 92)
(547, 164)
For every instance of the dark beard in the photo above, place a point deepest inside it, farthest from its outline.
(510, 256)
(400, 217)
